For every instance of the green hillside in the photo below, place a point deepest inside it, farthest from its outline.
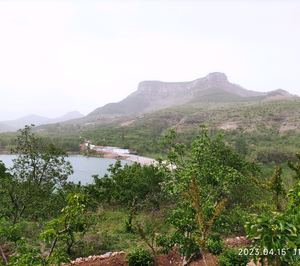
(129, 105)
(245, 165)
(216, 95)
(264, 124)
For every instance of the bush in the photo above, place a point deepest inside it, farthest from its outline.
(215, 244)
(279, 154)
(232, 257)
(140, 257)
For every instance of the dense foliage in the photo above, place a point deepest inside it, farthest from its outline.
(203, 192)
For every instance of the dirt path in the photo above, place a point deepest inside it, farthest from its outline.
(139, 159)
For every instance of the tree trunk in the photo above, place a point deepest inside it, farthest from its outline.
(131, 215)
(22, 211)
(3, 255)
(186, 260)
(155, 257)
(16, 215)
(69, 247)
(203, 255)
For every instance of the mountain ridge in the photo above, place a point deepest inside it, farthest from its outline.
(154, 95)
(14, 125)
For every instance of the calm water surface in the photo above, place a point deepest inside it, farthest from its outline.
(84, 167)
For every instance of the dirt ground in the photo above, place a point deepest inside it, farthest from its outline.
(117, 259)
(173, 258)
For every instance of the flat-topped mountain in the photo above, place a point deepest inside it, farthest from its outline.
(217, 79)
(154, 95)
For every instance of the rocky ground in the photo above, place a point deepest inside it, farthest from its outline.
(119, 258)
(173, 258)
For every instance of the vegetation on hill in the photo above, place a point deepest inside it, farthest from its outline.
(207, 193)
(130, 105)
(265, 131)
(238, 175)
(216, 95)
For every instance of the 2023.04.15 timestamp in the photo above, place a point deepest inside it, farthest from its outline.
(265, 252)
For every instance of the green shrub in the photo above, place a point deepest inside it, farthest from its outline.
(279, 154)
(140, 257)
(232, 257)
(215, 244)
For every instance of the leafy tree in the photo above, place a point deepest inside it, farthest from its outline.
(295, 167)
(204, 224)
(132, 186)
(241, 145)
(148, 230)
(275, 186)
(277, 235)
(33, 176)
(205, 176)
(58, 232)
(268, 154)
(182, 219)
(10, 233)
(63, 229)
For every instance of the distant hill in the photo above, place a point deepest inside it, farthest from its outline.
(26, 120)
(155, 95)
(13, 125)
(6, 128)
(66, 117)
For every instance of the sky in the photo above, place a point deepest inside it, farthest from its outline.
(58, 56)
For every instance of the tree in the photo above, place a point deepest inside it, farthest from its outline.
(241, 145)
(277, 234)
(275, 186)
(148, 230)
(132, 186)
(203, 219)
(63, 229)
(295, 167)
(205, 176)
(33, 176)
(58, 232)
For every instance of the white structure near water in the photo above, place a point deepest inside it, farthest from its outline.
(114, 150)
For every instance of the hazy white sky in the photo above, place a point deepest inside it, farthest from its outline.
(60, 56)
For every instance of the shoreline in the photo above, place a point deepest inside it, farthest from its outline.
(139, 159)
(126, 157)
(131, 158)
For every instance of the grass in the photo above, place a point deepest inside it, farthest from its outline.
(107, 235)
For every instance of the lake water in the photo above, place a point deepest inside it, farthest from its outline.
(84, 167)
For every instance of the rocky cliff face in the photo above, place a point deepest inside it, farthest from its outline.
(163, 87)
(154, 95)
(216, 80)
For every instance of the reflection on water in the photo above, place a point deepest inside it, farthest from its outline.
(84, 167)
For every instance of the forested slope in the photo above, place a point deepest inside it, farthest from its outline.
(210, 192)
(268, 124)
